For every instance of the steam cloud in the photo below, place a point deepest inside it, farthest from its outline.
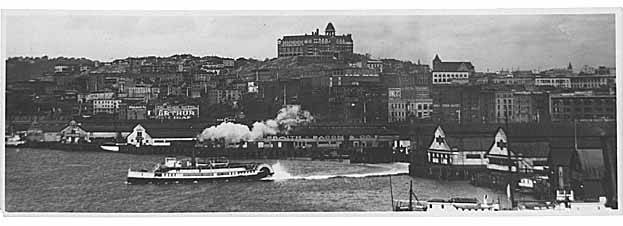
(233, 132)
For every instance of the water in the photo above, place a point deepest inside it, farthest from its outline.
(39, 180)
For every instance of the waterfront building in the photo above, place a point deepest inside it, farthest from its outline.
(518, 157)
(77, 132)
(458, 152)
(316, 44)
(577, 168)
(73, 133)
(329, 137)
(45, 131)
(161, 136)
(449, 72)
(582, 106)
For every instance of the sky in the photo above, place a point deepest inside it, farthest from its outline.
(490, 42)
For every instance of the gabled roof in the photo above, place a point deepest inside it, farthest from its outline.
(439, 141)
(99, 127)
(530, 149)
(173, 132)
(453, 67)
(342, 130)
(49, 127)
(330, 27)
(583, 142)
(437, 58)
(347, 38)
(592, 162)
(560, 156)
(470, 143)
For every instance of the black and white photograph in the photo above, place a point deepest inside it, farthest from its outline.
(401, 112)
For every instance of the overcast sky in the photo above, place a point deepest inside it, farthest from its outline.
(490, 42)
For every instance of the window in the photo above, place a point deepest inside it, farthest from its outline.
(472, 156)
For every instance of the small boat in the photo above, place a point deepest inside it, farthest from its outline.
(13, 141)
(195, 170)
(114, 147)
(431, 205)
(408, 205)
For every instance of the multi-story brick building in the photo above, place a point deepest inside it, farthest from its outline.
(402, 108)
(582, 106)
(316, 44)
(591, 81)
(362, 102)
(106, 106)
(463, 103)
(530, 107)
(504, 105)
(224, 96)
(353, 76)
(553, 82)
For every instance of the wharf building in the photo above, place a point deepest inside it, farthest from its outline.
(548, 160)
(316, 44)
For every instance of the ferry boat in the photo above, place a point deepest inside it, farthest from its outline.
(195, 170)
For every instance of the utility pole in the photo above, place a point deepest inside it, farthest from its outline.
(510, 161)
(575, 134)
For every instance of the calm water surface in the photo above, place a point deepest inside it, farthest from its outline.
(40, 180)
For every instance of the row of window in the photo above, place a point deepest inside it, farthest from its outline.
(412, 105)
(587, 101)
(580, 109)
(449, 75)
(234, 173)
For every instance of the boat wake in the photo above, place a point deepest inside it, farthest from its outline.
(388, 169)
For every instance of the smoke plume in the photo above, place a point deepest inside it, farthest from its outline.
(286, 119)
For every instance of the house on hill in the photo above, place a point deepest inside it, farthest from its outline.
(451, 72)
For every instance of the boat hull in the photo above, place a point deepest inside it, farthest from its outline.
(163, 180)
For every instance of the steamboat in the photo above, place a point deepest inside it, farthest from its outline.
(197, 170)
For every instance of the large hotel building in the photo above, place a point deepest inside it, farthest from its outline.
(329, 44)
